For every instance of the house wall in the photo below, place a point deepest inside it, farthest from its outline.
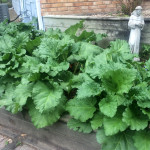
(84, 7)
(65, 7)
(16, 6)
(29, 10)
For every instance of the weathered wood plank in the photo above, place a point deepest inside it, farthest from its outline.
(56, 137)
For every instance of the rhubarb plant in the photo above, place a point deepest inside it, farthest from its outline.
(53, 73)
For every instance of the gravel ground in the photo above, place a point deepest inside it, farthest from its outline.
(6, 144)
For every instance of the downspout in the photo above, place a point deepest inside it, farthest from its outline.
(40, 20)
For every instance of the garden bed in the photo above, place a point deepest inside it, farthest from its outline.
(53, 73)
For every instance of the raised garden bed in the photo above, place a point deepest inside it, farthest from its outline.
(53, 73)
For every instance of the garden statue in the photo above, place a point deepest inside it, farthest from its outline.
(135, 24)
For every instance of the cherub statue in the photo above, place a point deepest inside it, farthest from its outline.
(135, 24)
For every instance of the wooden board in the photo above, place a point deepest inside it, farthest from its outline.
(56, 137)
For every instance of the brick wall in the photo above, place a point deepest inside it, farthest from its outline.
(70, 7)
(84, 7)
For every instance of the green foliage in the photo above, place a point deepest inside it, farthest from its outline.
(121, 141)
(49, 73)
(81, 109)
(128, 6)
(79, 126)
(145, 52)
(46, 97)
(97, 121)
(141, 139)
(114, 125)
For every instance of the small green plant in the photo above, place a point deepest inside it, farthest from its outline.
(127, 6)
(145, 52)
(6, 142)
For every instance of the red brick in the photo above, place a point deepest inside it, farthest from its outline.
(77, 6)
(107, 2)
(62, 9)
(84, 7)
(93, 7)
(67, 4)
(98, 3)
(102, 6)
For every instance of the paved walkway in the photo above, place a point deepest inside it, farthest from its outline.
(7, 143)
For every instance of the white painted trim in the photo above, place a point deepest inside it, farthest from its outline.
(40, 20)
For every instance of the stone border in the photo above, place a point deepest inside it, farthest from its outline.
(94, 17)
(56, 137)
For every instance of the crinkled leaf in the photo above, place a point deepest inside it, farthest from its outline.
(81, 109)
(8, 100)
(140, 92)
(22, 92)
(119, 51)
(88, 89)
(120, 141)
(114, 125)
(46, 97)
(87, 48)
(86, 36)
(134, 118)
(147, 67)
(144, 104)
(41, 120)
(119, 79)
(76, 81)
(95, 65)
(79, 126)
(2, 89)
(142, 140)
(72, 30)
(146, 112)
(33, 44)
(97, 121)
(108, 106)
(56, 68)
(32, 64)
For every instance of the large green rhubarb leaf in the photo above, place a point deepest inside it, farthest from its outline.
(134, 118)
(72, 30)
(8, 100)
(120, 141)
(97, 121)
(79, 126)
(22, 92)
(46, 97)
(119, 51)
(41, 120)
(108, 106)
(114, 125)
(81, 109)
(142, 140)
(118, 79)
(88, 89)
